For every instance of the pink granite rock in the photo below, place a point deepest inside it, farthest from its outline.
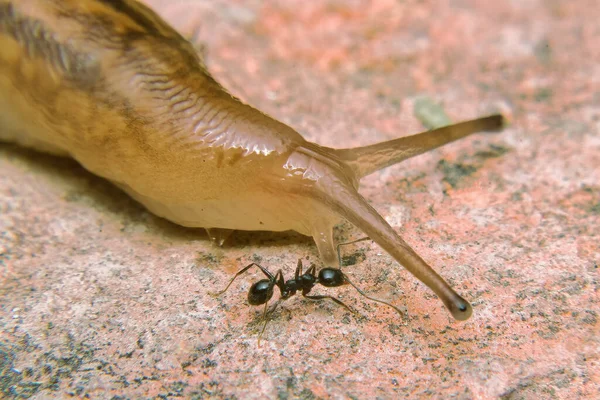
(99, 298)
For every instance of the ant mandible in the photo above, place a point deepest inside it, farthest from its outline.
(262, 291)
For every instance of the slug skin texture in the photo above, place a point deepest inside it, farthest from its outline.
(110, 84)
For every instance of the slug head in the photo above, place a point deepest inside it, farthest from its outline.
(329, 178)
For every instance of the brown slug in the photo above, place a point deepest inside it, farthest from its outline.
(110, 84)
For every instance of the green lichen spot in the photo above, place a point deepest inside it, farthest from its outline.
(455, 172)
(430, 113)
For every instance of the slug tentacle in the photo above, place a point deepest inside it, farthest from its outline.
(331, 188)
(349, 204)
(322, 234)
(368, 159)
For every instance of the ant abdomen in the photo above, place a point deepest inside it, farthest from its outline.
(260, 292)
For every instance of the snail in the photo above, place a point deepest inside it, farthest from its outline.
(110, 84)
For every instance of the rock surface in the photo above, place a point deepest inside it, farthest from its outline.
(100, 298)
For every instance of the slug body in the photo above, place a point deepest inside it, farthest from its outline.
(110, 84)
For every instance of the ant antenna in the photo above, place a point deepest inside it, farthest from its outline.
(356, 287)
(372, 298)
(347, 243)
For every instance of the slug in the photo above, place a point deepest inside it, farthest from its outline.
(112, 85)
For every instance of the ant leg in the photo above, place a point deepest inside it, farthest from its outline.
(346, 243)
(280, 281)
(337, 301)
(240, 272)
(298, 269)
(265, 313)
(311, 270)
(372, 298)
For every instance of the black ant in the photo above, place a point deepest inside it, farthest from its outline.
(262, 291)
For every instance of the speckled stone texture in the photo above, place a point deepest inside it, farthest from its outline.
(99, 298)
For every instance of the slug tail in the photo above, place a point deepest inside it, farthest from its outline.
(348, 203)
(368, 159)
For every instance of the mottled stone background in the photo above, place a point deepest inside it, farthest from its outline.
(100, 298)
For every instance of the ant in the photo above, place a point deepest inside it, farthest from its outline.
(262, 291)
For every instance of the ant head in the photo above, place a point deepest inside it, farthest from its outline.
(332, 277)
(260, 292)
